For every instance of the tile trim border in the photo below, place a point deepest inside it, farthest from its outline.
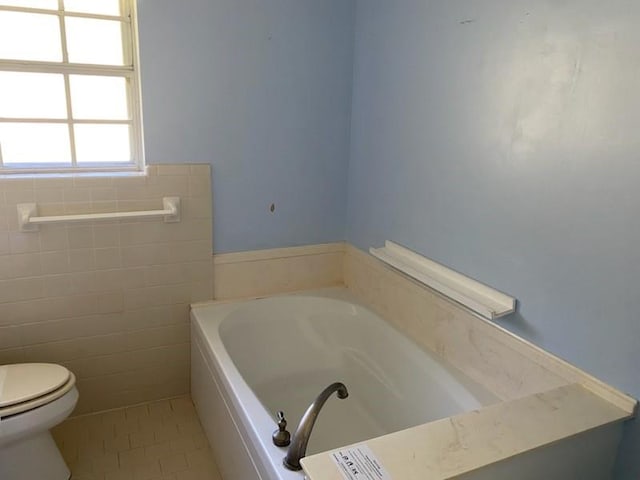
(276, 253)
(260, 273)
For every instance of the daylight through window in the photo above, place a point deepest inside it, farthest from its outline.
(69, 89)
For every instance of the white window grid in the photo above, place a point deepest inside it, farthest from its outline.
(128, 71)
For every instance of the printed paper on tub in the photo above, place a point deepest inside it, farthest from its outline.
(359, 463)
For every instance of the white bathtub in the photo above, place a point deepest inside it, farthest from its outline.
(253, 358)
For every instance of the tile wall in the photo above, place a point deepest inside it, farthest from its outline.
(110, 300)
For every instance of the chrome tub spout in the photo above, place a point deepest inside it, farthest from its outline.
(298, 447)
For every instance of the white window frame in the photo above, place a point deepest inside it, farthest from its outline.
(129, 71)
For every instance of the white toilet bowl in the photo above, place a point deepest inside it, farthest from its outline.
(33, 398)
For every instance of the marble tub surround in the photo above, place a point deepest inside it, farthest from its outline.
(547, 405)
(452, 447)
(266, 272)
(507, 365)
(109, 300)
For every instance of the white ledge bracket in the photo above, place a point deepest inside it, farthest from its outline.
(29, 221)
(480, 298)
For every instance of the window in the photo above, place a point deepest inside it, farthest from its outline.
(69, 86)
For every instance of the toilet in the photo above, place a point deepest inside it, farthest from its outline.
(34, 397)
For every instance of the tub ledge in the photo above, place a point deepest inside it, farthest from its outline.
(456, 446)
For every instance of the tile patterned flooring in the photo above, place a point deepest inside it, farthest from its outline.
(155, 441)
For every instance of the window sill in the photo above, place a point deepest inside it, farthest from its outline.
(80, 174)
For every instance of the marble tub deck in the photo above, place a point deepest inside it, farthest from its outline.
(454, 446)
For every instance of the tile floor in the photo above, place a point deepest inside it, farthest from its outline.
(156, 441)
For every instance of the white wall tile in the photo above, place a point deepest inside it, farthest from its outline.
(109, 299)
(107, 258)
(4, 243)
(53, 238)
(23, 243)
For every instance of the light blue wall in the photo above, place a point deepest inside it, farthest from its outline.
(498, 137)
(502, 138)
(261, 90)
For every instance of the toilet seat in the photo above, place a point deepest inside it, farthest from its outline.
(27, 386)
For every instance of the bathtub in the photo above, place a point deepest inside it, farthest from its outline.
(252, 358)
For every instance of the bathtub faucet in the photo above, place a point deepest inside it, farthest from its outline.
(298, 447)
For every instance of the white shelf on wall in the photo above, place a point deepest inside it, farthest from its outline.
(480, 298)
